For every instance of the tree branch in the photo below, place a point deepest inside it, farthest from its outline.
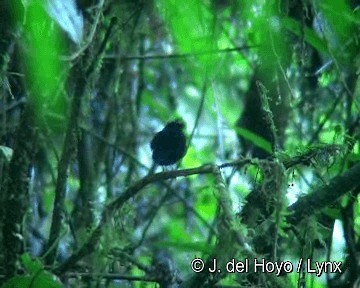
(324, 196)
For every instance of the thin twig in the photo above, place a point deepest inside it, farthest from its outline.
(181, 55)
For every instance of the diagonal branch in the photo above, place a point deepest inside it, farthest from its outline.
(304, 207)
(112, 207)
(324, 196)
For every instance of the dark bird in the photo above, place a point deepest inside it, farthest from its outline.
(169, 145)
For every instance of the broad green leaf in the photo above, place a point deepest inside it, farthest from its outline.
(255, 139)
(31, 265)
(18, 282)
(40, 280)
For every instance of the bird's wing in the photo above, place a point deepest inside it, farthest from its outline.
(155, 141)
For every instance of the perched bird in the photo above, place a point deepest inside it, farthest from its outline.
(169, 145)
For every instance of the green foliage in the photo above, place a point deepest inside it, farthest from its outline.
(37, 277)
(266, 30)
(191, 26)
(255, 139)
(206, 203)
(31, 265)
(5, 153)
(44, 71)
(195, 158)
(309, 65)
(309, 35)
(340, 17)
(333, 213)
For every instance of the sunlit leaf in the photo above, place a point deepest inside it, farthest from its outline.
(69, 18)
(31, 265)
(6, 153)
(255, 139)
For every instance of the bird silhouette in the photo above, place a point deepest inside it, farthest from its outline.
(169, 145)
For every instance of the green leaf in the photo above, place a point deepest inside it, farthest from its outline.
(18, 282)
(309, 35)
(40, 280)
(333, 213)
(31, 265)
(255, 139)
(46, 280)
(6, 153)
(340, 17)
